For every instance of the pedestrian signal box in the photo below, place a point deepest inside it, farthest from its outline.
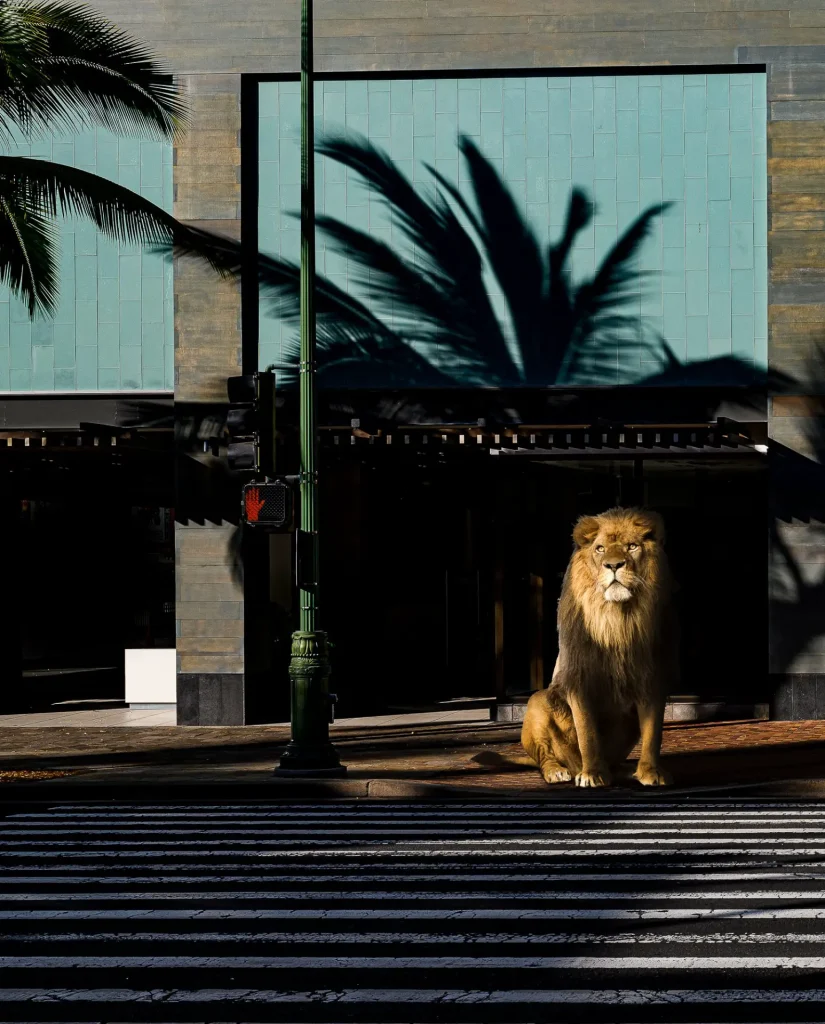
(269, 505)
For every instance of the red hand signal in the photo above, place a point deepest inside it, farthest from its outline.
(254, 504)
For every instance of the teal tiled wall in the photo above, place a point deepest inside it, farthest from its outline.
(698, 141)
(114, 326)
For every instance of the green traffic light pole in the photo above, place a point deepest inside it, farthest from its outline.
(310, 752)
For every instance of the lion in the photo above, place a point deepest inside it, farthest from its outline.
(617, 656)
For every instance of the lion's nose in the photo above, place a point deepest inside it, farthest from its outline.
(615, 566)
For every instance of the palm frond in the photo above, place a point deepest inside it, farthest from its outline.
(513, 252)
(428, 320)
(558, 317)
(43, 190)
(413, 215)
(56, 189)
(614, 272)
(355, 348)
(278, 282)
(579, 214)
(450, 189)
(28, 251)
(444, 284)
(394, 283)
(600, 305)
(349, 359)
(64, 67)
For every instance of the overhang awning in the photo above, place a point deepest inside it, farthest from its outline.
(634, 443)
(561, 442)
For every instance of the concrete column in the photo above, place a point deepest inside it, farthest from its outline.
(210, 627)
(796, 330)
(208, 195)
(210, 608)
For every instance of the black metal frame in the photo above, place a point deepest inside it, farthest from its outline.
(587, 71)
(250, 316)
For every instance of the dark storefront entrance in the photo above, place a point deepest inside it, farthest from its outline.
(88, 522)
(443, 568)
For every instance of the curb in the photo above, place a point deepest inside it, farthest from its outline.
(278, 790)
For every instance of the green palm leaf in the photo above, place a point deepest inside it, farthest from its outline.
(28, 251)
(37, 191)
(65, 67)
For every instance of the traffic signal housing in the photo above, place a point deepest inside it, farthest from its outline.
(250, 422)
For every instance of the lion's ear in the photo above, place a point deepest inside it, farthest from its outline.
(654, 527)
(585, 530)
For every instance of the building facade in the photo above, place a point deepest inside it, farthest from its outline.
(704, 398)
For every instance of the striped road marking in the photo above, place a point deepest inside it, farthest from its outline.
(616, 911)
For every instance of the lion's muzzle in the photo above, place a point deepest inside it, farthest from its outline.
(616, 583)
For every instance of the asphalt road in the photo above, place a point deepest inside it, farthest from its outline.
(373, 911)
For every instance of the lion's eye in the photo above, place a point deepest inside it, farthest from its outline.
(632, 547)
(600, 548)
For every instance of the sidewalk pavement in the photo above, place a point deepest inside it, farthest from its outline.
(166, 717)
(459, 756)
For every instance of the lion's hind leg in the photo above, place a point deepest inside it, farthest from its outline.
(550, 767)
(537, 738)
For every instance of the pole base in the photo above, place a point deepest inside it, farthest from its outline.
(310, 753)
(311, 773)
(307, 762)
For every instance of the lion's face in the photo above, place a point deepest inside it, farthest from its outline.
(620, 549)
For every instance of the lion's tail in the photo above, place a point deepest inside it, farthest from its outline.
(492, 759)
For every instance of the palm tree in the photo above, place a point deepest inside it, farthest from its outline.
(63, 67)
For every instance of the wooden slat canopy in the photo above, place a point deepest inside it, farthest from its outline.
(564, 441)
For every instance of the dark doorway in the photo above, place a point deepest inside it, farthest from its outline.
(404, 571)
(442, 572)
(715, 510)
(92, 530)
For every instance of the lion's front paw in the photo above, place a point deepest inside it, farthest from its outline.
(556, 774)
(650, 775)
(597, 778)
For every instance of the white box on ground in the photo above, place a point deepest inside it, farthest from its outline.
(150, 676)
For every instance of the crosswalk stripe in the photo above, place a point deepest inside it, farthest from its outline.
(685, 829)
(430, 937)
(44, 877)
(518, 840)
(491, 821)
(330, 963)
(412, 855)
(310, 908)
(407, 896)
(604, 996)
(404, 914)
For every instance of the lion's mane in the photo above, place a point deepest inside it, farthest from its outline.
(621, 644)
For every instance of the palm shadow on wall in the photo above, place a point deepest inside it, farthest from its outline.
(428, 318)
